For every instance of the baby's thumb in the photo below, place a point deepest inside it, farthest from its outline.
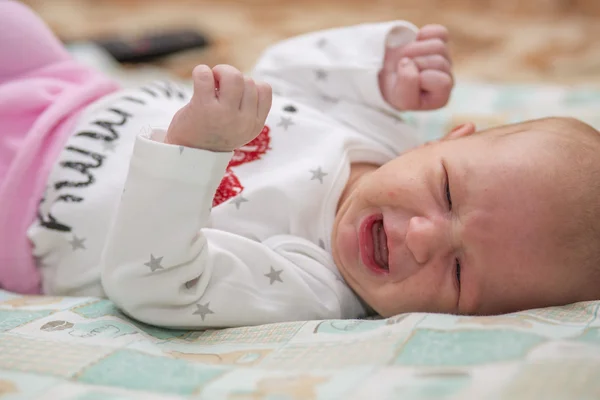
(407, 87)
(204, 82)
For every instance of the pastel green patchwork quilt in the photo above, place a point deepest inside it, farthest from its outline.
(85, 349)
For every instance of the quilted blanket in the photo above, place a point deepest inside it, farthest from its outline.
(85, 349)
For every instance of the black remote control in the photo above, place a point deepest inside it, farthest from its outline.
(149, 47)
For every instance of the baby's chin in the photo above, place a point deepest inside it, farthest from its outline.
(385, 311)
(408, 306)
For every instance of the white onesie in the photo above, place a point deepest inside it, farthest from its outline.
(188, 238)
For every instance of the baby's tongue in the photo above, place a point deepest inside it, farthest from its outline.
(380, 249)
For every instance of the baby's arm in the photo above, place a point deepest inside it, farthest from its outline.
(163, 265)
(363, 75)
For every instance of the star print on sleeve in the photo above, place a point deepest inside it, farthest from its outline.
(154, 263)
(285, 122)
(203, 310)
(329, 99)
(146, 131)
(181, 148)
(77, 243)
(321, 43)
(321, 75)
(274, 276)
(109, 145)
(318, 174)
(239, 199)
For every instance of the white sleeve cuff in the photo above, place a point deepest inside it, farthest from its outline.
(186, 164)
(392, 34)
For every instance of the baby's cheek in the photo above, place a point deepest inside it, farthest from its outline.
(382, 192)
(422, 292)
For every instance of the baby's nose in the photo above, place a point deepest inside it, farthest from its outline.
(427, 238)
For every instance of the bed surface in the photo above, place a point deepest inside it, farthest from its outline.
(83, 348)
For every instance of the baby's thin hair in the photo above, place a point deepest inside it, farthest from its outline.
(576, 147)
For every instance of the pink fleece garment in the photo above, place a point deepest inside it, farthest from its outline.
(42, 92)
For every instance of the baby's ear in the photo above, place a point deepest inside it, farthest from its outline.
(463, 130)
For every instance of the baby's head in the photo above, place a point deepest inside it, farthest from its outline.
(477, 223)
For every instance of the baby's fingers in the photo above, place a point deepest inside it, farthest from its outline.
(426, 48)
(436, 87)
(407, 87)
(265, 97)
(204, 83)
(250, 98)
(231, 85)
(435, 61)
(433, 31)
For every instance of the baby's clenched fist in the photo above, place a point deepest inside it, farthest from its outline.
(418, 75)
(227, 110)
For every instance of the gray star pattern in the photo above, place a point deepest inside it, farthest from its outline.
(274, 275)
(321, 75)
(181, 148)
(146, 131)
(318, 174)
(238, 201)
(285, 122)
(77, 243)
(321, 244)
(329, 99)
(203, 310)
(321, 43)
(154, 263)
(109, 145)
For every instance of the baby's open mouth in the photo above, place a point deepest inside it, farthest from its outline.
(380, 247)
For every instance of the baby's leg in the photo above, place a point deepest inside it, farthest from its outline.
(26, 42)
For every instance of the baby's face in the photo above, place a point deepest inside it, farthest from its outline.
(459, 226)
